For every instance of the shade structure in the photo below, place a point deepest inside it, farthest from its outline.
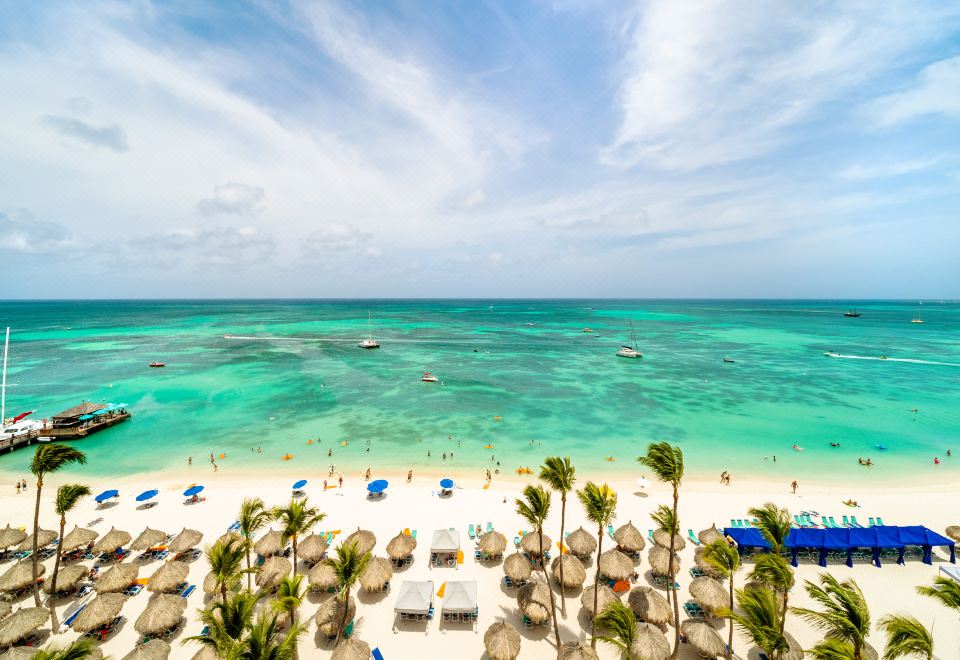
(21, 623)
(207, 652)
(709, 594)
(577, 651)
(649, 605)
(19, 653)
(517, 567)
(312, 548)
(44, 538)
(709, 535)
(705, 567)
(492, 543)
(270, 543)
(703, 638)
(650, 644)
(364, 539)
(117, 578)
(193, 490)
(377, 574)
(149, 538)
(532, 543)
(460, 597)
(163, 613)
(401, 546)
(445, 540)
(574, 574)
(615, 565)
(662, 538)
(502, 641)
(378, 486)
(107, 495)
(581, 543)
(351, 649)
(67, 578)
(329, 615)
(10, 536)
(229, 538)
(187, 539)
(147, 495)
(953, 531)
(323, 577)
(605, 597)
(5, 609)
(273, 570)
(629, 538)
(210, 585)
(78, 537)
(99, 612)
(299, 484)
(168, 577)
(155, 649)
(534, 601)
(795, 650)
(446, 483)
(19, 576)
(112, 540)
(415, 597)
(660, 561)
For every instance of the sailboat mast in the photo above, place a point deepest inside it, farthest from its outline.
(3, 387)
(369, 327)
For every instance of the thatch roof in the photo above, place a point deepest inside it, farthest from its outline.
(44, 538)
(269, 544)
(700, 562)
(19, 653)
(650, 606)
(312, 548)
(99, 612)
(401, 546)
(5, 609)
(322, 576)
(112, 540)
(229, 538)
(577, 651)
(155, 649)
(19, 576)
(364, 539)
(77, 538)
(492, 543)
(662, 538)
(629, 538)
(351, 649)
(149, 538)
(709, 535)
(21, 623)
(163, 613)
(168, 577)
(574, 574)
(11, 536)
(84, 408)
(605, 597)
(953, 531)
(377, 573)
(117, 578)
(703, 637)
(187, 539)
(517, 567)
(795, 651)
(210, 585)
(581, 543)
(502, 641)
(273, 570)
(329, 615)
(660, 561)
(206, 652)
(532, 543)
(534, 601)
(709, 594)
(67, 578)
(650, 644)
(615, 565)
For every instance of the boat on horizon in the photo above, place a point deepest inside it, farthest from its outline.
(630, 351)
(157, 365)
(369, 342)
(916, 319)
(729, 360)
(852, 313)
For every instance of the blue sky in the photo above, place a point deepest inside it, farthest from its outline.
(443, 149)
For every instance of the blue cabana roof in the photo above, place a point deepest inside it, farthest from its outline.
(747, 537)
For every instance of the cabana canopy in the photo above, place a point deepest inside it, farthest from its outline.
(415, 597)
(445, 540)
(460, 597)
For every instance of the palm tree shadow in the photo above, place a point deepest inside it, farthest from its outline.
(372, 597)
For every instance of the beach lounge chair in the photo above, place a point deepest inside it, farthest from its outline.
(798, 521)
(376, 653)
(610, 532)
(846, 522)
(650, 534)
(880, 521)
(853, 521)
(470, 532)
(516, 542)
(489, 526)
(133, 589)
(693, 537)
(873, 523)
(189, 590)
(69, 620)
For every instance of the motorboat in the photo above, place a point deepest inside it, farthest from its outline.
(588, 329)
(852, 314)
(369, 342)
(156, 365)
(729, 360)
(917, 319)
(428, 377)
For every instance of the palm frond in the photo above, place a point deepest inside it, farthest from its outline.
(759, 618)
(906, 637)
(944, 590)
(665, 461)
(67, 497)
(844, 613)
(558, 473)
(599, 503)
(722, 556)
(620, 621)
(773, 523)
(53, 456)
(535, 505)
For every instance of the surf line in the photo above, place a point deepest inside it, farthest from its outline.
(886, 359)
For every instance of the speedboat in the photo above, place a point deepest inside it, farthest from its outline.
(588, 330)
(729, 360)
(428, 377)
(158, 364)
(629, 352)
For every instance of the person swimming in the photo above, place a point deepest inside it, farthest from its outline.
(834, 444)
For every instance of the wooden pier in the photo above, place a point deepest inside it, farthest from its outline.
(73, 424)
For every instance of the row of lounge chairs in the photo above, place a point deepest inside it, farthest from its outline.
(410, 616)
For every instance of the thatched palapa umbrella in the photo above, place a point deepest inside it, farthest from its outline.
(206, 653)
(660, 561)
(330, 613)
(364, 539)
(5, 609)
(401, 546)
(163, 613)
(117, 578)
(953, 531)
(629, 538)
(155, 649)
(534, 601)
(101, 611)
(149, 538)
(531, 543)
(703, 638)
(377, 574)
(19, 653)
(322, 577)
(615, 565)
(273, 570)
(708, 593)
(650, 606)
(19, 576)
(229, 538)
(492, 544)
(77, 538)
(650, 644)
(112, 540)
(210, 585)
(44, 538)
(605, 597)
(581, 543)
(270, 543)
(574, 574)
(706, 567)
(186, 540)
(517, 567)
(312, 548)
(709, 535)
(351, 649)
(67, 578)
(662, 538)
(577, 651)
(10, 536)
(795, 651)
(168, 577)
(502, 641)
(21, 623)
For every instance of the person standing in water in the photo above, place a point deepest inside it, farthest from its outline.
(794, 486)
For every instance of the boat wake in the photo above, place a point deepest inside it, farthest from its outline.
(890, 359)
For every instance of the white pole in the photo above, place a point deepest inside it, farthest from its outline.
(3, 388)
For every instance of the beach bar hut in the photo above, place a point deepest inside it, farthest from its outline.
(415, 600)
(460, 601)
(444, 547)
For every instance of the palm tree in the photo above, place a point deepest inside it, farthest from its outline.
(663, 518)
(297, 518)
(264, 641)
(560, 475)
(289, 595)
(944, 590)
(906, 636)
(832, 649)
(726, 560)
(666, 462)
(759, 618)
(775, 572)
(46, 459)
(534, 508)
(845, 615)
(67, 497)
(227, 621)
(348, 566)
(600, 504)
(253, 517)
(621, 622)
(226, 563)
(773, 523)
(78, 650)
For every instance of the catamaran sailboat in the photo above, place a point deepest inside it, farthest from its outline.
(369, 341)
(630, 351)
(916, 319)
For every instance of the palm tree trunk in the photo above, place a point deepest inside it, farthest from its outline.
(343, 618)
(223, 592)
(596, 589)
(54, 624)
(783, 615)
(249, 570)
(553, 603)
(294, 554)
(673, 577)
(33, 558)
(563, 520)
(730, 621)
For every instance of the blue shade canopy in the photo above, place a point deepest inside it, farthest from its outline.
(106, 495)
(193, 490)
(300, 484)
(147, 495)
(377, 486)
(446, 483)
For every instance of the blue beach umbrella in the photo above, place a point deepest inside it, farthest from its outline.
(106, 495)
(446, 483)
(193, 490)
(300, 484)
(377, 486)
(147, 495)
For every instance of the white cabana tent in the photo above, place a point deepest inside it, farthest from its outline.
(951, 572)
(415, 599)
(444, 547)
(460, 601)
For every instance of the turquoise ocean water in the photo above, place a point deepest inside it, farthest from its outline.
(298, 375)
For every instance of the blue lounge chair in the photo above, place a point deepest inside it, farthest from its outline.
(189, 590)
(72, 617)
(880, 522)
(650, 534)
(846, 522)
(853, 522)
(376, 654)
(693, 537)
(489, 526)
(470, 532)
(610, 532)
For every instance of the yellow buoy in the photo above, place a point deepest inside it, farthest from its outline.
(498, 418)
(287, 457)
(309, 442)
(488, 446)
(344, 443)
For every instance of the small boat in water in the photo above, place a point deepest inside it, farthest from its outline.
(729, 360)
(916, 319)
(428, 377)
(157, 365)
(852, 314)
(369, 342)
(630, 351)
(588, 330)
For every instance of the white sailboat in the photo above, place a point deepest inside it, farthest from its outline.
(630, 351)
(16, 425)
(369, 342)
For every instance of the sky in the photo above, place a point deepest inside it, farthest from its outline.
(427, 148)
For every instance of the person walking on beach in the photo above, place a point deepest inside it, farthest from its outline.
(18, 488)
(324, 485)
(794, 486)
(189, 460)
(409, 476)
(341, 481)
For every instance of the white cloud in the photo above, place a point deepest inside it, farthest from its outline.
(936, 92)
(21, 233)
(340, 238)
(864, 171)
(232, 197)
(111, 137)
